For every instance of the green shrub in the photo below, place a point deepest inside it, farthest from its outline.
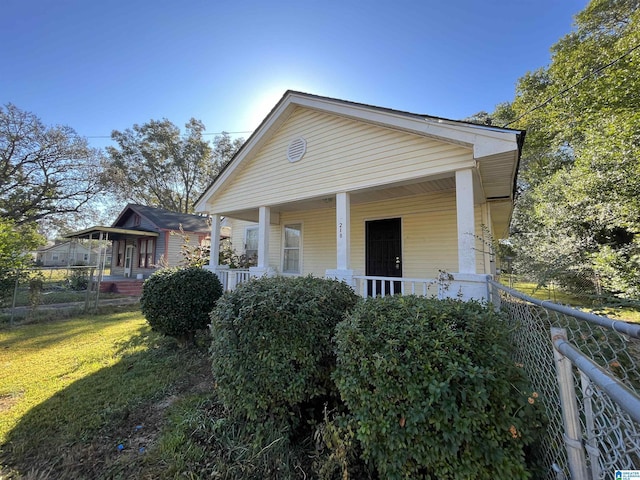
(36, 285)
(177, 301)
(271, 347)
(78, 279)
(433, 390)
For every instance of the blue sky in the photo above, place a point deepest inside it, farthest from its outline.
(102, 65)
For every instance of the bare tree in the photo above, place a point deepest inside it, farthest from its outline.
(44, 171)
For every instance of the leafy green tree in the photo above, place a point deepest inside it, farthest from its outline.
(155, 164)
(44, 171)
(576, 217)
(502, 114)
(16, 243)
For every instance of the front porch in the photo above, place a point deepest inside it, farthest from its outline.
(431, 237)
(445, 286)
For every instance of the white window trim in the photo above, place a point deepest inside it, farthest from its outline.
(246, 234)
(300, 254)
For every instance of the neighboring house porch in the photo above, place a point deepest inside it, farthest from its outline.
(143, 239)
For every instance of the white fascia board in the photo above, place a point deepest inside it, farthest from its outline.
(201, 206)
(484, 141)
(257, 139)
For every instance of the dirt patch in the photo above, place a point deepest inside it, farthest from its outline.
(121, 452)
(8, 400)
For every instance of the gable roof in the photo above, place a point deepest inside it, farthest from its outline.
(165, 219)
(485, 141)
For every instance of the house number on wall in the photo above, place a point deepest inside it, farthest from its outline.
(340, 230)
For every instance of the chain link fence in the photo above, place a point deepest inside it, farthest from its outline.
(605, 389)
(30, 291)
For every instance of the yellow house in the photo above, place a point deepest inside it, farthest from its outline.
(388, 201)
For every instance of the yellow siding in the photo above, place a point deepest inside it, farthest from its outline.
(482, 243)
(484, 240)
(429, 235)
(429, 238)
(238, 228)
(318, 238)
(342, 155)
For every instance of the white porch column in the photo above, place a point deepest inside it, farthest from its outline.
(214, 256)
(343, 240)
(466, 221)
(264, 222)
(343, 230)
(264, 219)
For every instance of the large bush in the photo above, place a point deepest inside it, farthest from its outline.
(432, 390)
(15, 244)
(271, 347)
(177, 301)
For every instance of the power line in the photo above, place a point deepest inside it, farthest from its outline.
(230, 133)
(204, 133)
(565, 90)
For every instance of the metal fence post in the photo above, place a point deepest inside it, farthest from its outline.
(591, 445)
(89, 287)
(15, 296)
(569, 404)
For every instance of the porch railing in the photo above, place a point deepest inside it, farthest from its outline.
(230, 278)
(446, 285)
(372, 286)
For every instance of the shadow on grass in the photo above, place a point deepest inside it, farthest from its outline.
(102, 425)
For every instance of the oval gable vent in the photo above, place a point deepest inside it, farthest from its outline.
(296, 150)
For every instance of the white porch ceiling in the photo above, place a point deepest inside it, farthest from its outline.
(376, 194)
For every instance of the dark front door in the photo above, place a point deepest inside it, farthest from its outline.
(383, 255)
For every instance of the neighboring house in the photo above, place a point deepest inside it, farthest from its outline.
(65, 254)
(142, 240)
(385, 200)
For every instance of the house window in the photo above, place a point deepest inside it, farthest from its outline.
(120, 254)
(145, 256)
(251, 243)
(291, 248)
(136, 220)
(204, 241)
(54, 257)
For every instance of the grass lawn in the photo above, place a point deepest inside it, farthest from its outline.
(52, 297)
(555, 295)
(88, 397)
(56, 287)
